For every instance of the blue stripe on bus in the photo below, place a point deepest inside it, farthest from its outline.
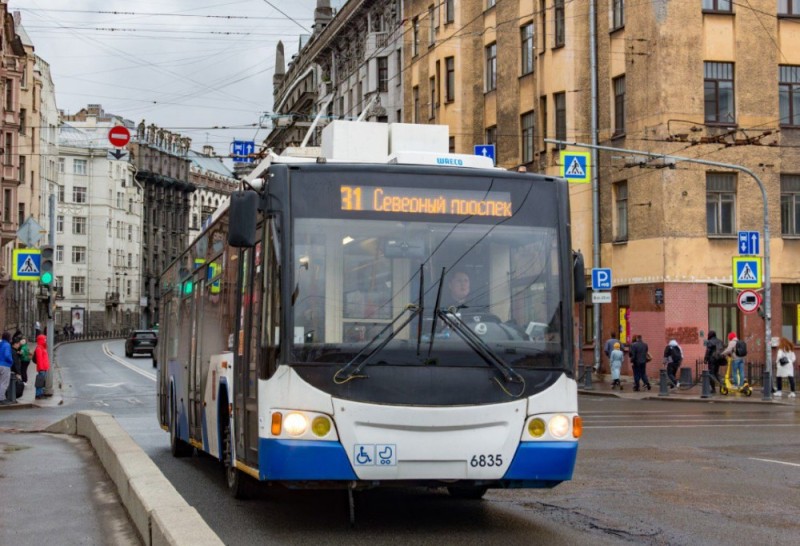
(543, 461)
(303, 460)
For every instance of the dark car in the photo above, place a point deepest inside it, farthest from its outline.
(141, 341)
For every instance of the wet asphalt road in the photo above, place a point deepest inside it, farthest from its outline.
(648, 472)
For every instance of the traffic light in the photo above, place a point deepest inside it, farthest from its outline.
(46, 272)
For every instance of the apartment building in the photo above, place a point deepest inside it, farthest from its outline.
(351, 67)
(214, 182)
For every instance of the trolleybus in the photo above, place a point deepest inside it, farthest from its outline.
(310, 337)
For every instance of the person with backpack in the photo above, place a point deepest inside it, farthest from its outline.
(736, 351)
(673, 356)
(713, 358)
(42, 360)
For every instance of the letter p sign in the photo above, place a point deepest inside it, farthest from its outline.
(601, 278)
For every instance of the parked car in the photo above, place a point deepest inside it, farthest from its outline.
(141, 341)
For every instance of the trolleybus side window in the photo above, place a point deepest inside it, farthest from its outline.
(271, 306)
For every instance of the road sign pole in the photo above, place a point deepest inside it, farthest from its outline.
(767, 268)
(51, 319)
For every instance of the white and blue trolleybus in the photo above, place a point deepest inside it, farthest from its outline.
(405, 319)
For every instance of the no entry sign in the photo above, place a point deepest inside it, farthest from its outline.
(119, 136)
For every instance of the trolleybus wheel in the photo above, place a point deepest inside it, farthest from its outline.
(234, 478)
(473, 492)
(178, 447)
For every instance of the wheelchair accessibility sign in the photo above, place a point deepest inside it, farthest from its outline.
(575, 166)
(375, 455)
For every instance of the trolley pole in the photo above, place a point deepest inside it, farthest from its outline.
(767, 394)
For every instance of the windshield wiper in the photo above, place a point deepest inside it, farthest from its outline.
(483, 350)
(354, 367)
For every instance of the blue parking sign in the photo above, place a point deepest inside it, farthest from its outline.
(601, 278)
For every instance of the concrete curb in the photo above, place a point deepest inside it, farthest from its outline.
(159, 512)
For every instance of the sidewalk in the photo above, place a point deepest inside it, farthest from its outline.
(28, 398)
(601, 386)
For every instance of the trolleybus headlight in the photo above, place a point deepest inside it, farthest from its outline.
(321, 426)
(559, 426)
(536, 428)
(295, 424)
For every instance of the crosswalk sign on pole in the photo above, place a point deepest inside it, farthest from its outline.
(746, 272)
(27, 264)
(575, 167)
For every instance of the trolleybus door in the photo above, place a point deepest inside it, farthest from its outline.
(195, 369)
(248, 353)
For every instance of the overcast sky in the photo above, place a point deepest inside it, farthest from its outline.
(190, 66)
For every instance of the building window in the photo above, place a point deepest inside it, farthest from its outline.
(22, 168)
(722, 313)
(621, 210)
(451, 145)
(588, 319)
(558, 15)
(722, 5)
(128, 284)
(526, 41)
(790, 204)
(79, 166)
(490, 3)
(130, 259)
(526, 121)
(383, 74)
(789, 95)
(61, 162)
(543, 24)
(59, 253)
(59, 224)
(78, 285)
(449, 11)
(20, 213)
(399, 57)
(719, 93)
(79, 225)
(130, 204)
(23, 113)
(619, 105)
(720, 203)
(61, 197)
(543, 119)
(490, 80)
(432, 109)
(130, 232)
(560, 100)
(790, 301)
(415, 37)
(431, 27)
(8, 204)
(415, 95)
(79, 254)
(79, 194)
(8, 151)
(9, 94)
(491, 135)
(617, 14)
(450, 71)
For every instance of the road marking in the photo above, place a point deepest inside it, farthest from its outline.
(104, 385)
(773, 461)
(115, 358)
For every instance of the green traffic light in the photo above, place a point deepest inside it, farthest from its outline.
(46, 278)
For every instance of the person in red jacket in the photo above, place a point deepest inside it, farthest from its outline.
(42, 361)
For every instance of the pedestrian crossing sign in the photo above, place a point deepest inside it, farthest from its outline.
(575, 167)
(27, 264)
(747, 272)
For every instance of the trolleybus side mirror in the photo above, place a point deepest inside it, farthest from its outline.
(243, 216)
(579, 276)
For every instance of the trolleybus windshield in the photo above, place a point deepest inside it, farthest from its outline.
(357, 271)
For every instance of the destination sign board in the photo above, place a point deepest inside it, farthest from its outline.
(425, 201)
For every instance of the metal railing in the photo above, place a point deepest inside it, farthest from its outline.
(89, 336)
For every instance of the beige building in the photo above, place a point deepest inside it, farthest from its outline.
(712, 79)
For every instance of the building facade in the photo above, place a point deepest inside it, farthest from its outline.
(214, 182)
(98, 232)
(349, 68)
(162, 165)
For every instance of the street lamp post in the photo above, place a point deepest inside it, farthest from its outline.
(767, 394)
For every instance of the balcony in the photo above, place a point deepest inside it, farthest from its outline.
(112, 299)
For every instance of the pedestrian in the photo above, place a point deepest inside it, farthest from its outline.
(25, 357)
(6, 362)
(713, 358)
(640, 356)
(42, 361)
(616, 357)
(786, 359)
(736, 361)
(608, 347)
(16, 367)
(673, 356)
